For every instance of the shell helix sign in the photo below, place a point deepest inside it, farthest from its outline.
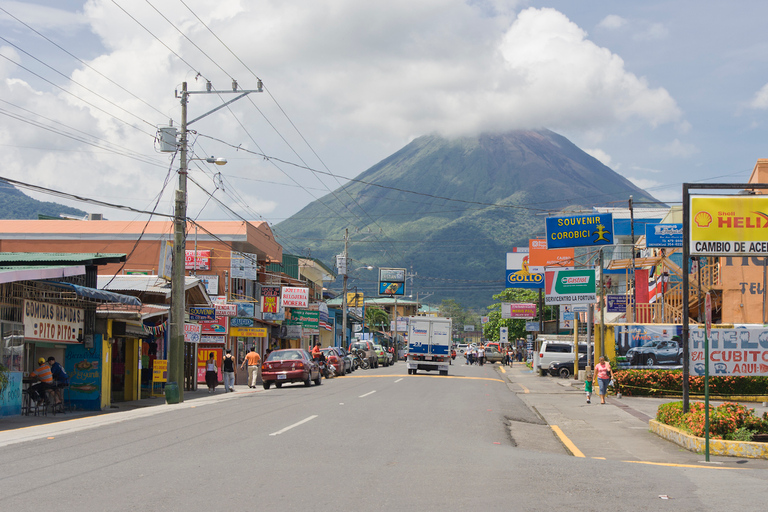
(580, 230)
(728, 226)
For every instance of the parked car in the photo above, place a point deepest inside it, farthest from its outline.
(381, 355)
(332, 356)
(656, 352)
(349, 360)
(367, 347)
(564, 369)
(290, 365)
(552, 351)
(461, 348)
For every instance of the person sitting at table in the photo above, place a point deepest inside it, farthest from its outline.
(60, 379)
(43, 374)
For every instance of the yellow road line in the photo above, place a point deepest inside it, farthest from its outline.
(676, 465)
(525, 389)
(502, 370)
(567, 442)
(425, 376)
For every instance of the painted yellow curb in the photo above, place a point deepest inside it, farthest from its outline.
(566, 441)
(744, 449)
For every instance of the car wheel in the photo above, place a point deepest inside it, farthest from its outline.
(278, 385)
(318, 380)
(308, 380)
(266, 384)
(564, 373)
(650, 361)
(680, 360)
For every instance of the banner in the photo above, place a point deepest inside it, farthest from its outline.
(202, 357)
(728, 225)
(51, 322)
(210, 327)
(201, 261)
(649, 345)
(324, 319)
(570, 287)
(510, 310)
(580, 230)
(740, 351)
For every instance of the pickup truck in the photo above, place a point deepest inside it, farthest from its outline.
(492, 354)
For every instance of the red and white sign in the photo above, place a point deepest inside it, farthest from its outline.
(517, 310)
(51, 322)
(219, 326)
(201, 262)
(225, 309)
(192, 333)
(292, 297)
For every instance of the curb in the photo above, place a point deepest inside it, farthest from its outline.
(744, 449)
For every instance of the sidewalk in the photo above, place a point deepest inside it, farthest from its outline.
(8, 423)
(617, 430)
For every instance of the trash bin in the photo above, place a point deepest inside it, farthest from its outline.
(171, 393)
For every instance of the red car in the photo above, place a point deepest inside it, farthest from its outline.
(333, 357)
(290, 365)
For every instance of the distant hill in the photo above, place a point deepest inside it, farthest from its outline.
(16, 205)
(457, 247)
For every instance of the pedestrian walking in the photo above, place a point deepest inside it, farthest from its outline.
(603, 374)
(481, 355)
(228, 371)
(588, 375)
(211, 373)
(252, 359)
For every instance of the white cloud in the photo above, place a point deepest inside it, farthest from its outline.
(761, 98)
(653, 32)
(677, 148)
(600, 155)
(612, 22)
(359, 79)
(42, 17)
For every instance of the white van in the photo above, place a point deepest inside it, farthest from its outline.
(554, 351)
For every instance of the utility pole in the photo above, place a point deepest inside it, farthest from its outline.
(176, 349)
(632, 277)
(344, 292)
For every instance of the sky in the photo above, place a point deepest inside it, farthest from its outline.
(663, 92)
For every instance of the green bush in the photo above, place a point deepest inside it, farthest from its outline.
(670, 383)
(728, 421)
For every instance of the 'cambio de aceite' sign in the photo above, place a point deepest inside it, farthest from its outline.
(52, 322)
(292, 297)
(728, 225)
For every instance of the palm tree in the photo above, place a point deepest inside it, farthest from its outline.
(375, 317)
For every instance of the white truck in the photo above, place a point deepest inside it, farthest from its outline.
(429, 344)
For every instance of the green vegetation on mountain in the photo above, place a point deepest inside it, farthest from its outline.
(449, 210)
(16, 205)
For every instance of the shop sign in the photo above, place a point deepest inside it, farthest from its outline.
(248, 332)
(211, 283)
(160, 370)
(293, 297)
(240, 322)
(192, 333)
(663, 235)
(198, 313)
(617, 303)
(211, 339)
(52, 322)
(225, 309)
(739, 352)
(309, 320)
(244, 266)
(510, 310)
(728, 225)
(579, 230)
(246, 309)
(270, 299)
(202, 357)
(540, 257)
(570, 287)
(392, 281)
(218, 326)
(532, 326)
(199, 261)
(519, 274)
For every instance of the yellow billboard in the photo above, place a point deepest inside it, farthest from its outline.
(355, 300)
(248, 332)
(729, 225)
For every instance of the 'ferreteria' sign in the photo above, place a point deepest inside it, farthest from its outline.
(579, 230)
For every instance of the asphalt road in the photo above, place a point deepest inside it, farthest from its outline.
(377, 440)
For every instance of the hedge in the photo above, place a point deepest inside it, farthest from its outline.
(728, 421)
(670, 383)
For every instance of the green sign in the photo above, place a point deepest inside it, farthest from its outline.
(307, 318)
(570, 287)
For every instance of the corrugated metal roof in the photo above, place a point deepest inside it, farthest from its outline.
(141, 283)
(58, 258)
(33, 272)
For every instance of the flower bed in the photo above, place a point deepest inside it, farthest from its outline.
(729, 421)
(670, 383)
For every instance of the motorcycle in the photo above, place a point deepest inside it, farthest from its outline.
(360, 361)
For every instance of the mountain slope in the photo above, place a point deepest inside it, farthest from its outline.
(500, 188)
(14, 204)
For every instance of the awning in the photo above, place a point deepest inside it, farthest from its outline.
(96, 294)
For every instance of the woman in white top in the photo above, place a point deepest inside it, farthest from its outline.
(211, 373)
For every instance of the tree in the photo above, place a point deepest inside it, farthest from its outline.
(516, 327)
(375, 317)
